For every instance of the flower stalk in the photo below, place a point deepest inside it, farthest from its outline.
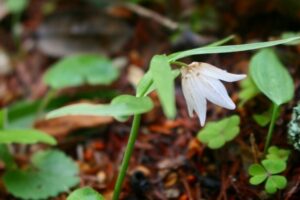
(128, 152)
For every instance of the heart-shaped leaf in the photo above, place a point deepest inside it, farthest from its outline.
(79, 70)
(120, 106)
(51, 173)
(25, 136)
(274, 183)
(271, 77)
(274, 166)
(277, 153)
(85, 193)
(216, 134)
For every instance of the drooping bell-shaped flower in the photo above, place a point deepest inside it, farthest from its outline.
(201, 82)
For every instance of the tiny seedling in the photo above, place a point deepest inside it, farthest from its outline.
(274, 81)
(216, 134)
(268, 172)
(275, 153)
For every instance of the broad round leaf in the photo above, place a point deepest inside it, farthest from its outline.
(25, 136)
(51, 173)
(271, 77)
(79, 70)
(120, 106)
(216, 134)
(274, 166)
(85, 193)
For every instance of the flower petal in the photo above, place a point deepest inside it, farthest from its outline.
(187, 93)
(214, 72)
(215, 92)
(200, 103)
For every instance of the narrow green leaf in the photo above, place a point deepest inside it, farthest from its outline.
(79, 70)
(120, 106)
(51, 172)
(3, 118)
(161, 72)
(85, 193)
(271, 77)
(25, 136)
(228, 48)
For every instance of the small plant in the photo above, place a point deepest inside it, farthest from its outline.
(200, 82)
(216, 134)
(274, 81)
(268, 172)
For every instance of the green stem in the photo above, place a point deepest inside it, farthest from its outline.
(271, 127)
(128, 152)
(181, 64)
(222, 41)
(45, 101)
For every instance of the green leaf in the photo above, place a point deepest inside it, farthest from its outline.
(146, 85)
(277, 153)
(216, 134)
(271, 77)
(258, 173)
(25, 136)
(248, 90)
(258, 179)
(265, 118)
(161, 72)
(3, 118)
(228, 48)
(274, 166)
(85, 193)
(120, 106)
(78, 70)
(275, 182)
(16, 6)
(256, 169)
(6, 157)
(51, 173)
(286, 35)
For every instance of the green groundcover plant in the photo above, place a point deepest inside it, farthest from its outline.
(201, 82)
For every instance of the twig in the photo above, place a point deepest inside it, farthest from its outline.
(151, 14)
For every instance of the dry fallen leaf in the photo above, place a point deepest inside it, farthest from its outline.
(61, 126)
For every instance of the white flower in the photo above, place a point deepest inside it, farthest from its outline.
(201, 82)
